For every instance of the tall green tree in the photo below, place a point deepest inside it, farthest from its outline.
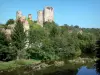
(19, 39)
(3, 47)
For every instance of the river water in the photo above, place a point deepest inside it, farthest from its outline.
(67, 69)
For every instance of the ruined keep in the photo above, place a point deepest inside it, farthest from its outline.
(47, 15)
(40, 18)
(30, 16)
(23, 19)
(18, 14)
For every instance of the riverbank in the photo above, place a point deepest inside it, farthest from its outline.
(38, 65)
(17, 63)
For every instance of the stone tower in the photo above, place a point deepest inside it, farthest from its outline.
(48, 14)
(30, 16)
(18, 14)
(40, 17)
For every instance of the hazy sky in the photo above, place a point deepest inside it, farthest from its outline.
(85, 13)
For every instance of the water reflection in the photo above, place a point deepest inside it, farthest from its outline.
(98, 66)
(64, 72)
(86, 71)
(81, 71)
(68, 69)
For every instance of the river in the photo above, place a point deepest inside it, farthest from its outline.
(67, 69)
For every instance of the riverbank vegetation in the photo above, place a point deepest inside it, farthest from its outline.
(48, 43)
(11, 65)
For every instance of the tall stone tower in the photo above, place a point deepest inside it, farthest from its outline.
(40, 17)
(48, 14)
(30, 16)
(18, 14)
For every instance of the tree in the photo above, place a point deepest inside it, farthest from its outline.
(76, 26)
(3, 47)
(36, 37)
(6, 53)
(87, 43)
(98, 49)
(19, 39)
(10, 21)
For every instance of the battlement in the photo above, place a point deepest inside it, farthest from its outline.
(49, 8)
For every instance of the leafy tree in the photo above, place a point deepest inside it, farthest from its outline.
(30, 22)
(87, 43)
(35, 21)
(36, 37)
(3, 46)
(19, 39)
(36, 34)
(76, 26)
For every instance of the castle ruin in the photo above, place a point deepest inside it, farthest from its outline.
(19, 16)
(30, 16)
(40, 17)
(48, 14)
(45, 15)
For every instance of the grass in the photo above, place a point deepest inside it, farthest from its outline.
(17, 63)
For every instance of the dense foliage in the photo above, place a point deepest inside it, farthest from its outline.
(6, 51)
(98, 49)
(51, 42)
(10, 21)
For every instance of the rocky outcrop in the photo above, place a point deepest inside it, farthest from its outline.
(59, 63)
